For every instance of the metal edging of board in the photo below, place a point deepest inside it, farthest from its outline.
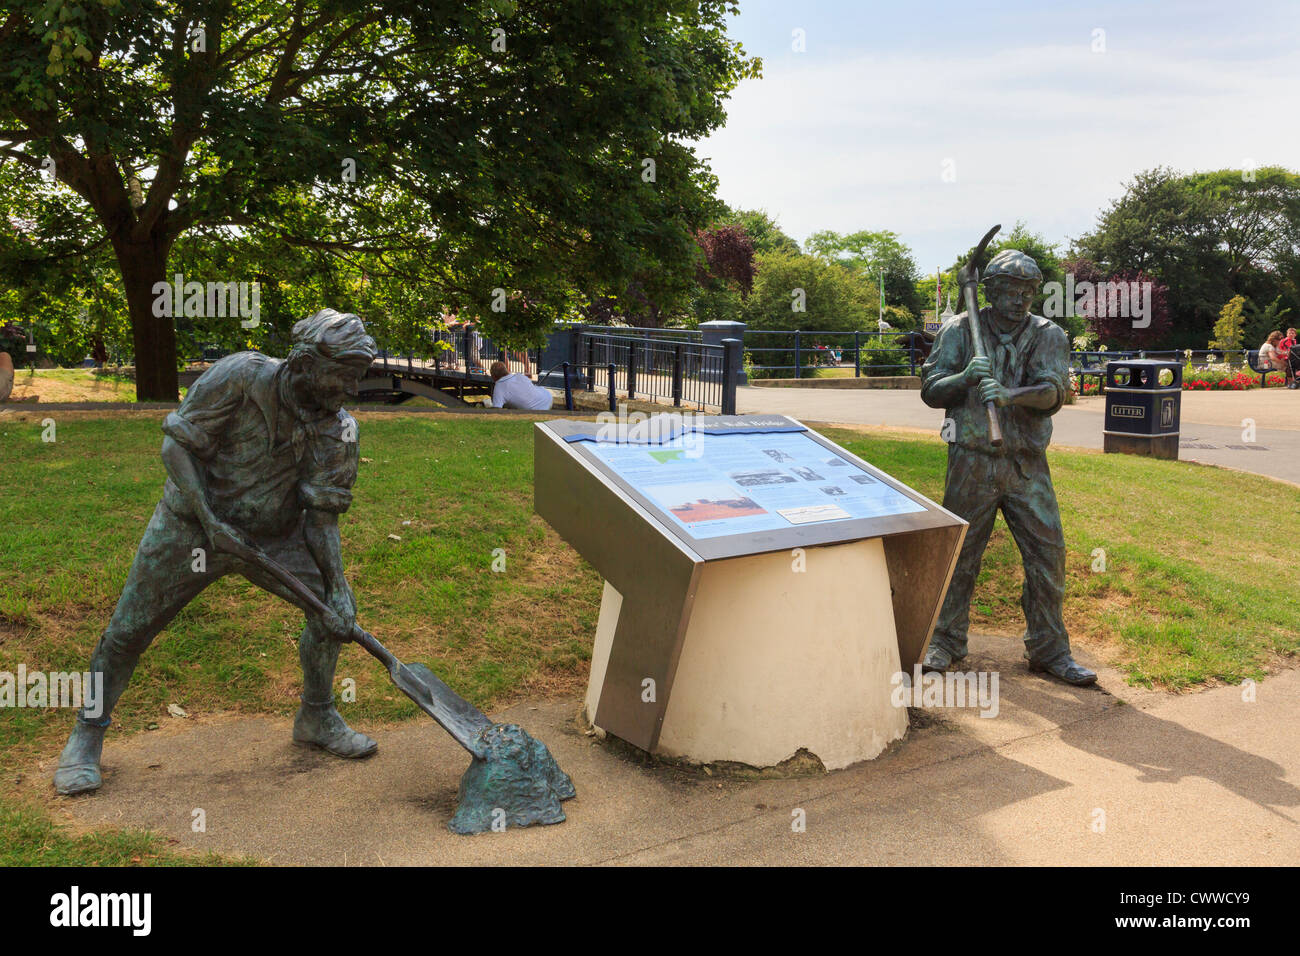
(839, 531)
(653, 571)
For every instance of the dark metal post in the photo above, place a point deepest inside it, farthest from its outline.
(677, 374)
(613, 399)
(857, 354)
(731, 360)
(911, 354)
(591, 362)
(464, 347)
(632, 354)
(575, 349)
(568, 389)
(798, 361)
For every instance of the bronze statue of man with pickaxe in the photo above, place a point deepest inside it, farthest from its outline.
(1001, 373)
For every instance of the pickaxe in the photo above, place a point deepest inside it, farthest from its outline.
(968, 278)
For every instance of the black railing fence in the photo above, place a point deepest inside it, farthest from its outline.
(795, 354)
(669, 365)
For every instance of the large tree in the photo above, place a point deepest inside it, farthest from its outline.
(1207, 237)
(763, 231)
(528, 153)
(867, 254)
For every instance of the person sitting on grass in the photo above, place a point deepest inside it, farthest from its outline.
(1270, 356)
(512, 390)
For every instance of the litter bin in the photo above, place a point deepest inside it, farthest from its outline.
(1143, 402)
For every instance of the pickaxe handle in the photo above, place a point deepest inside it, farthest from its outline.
(969, 279)
(972, 316)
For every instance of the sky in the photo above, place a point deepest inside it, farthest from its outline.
(938, 119)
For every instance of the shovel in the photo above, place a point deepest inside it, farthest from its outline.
(513, 778)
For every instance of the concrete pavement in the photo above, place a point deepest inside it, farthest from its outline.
(1062, 776)
(1212, 422)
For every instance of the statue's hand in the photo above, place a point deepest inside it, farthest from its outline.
(978, 368)
(991, 390)
(224, 538)
(343, 615)
(337, 626)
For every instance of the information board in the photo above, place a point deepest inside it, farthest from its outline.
(720, 481)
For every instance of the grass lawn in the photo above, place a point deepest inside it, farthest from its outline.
(1189, 595)
(71, 385)
(1197, 584)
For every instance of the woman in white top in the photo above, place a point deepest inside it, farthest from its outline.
(1269, 356)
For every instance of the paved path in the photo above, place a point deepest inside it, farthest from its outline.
(1212, 423)
(1181, 779)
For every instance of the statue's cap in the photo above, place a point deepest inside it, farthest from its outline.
(1013, 265)
(340, 336)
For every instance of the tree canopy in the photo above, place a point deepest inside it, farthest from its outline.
(458, 153)
(762, 230)
(867, 254)
(1207, 237)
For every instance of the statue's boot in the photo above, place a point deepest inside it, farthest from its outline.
(938, 659)
(78, 770)
(321, 725)
(1065, 669)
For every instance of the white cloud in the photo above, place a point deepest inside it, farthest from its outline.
(1047, 134)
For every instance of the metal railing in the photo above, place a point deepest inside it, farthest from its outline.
(1234, 358)
(682, 370)
(799, 352)
(648, 334)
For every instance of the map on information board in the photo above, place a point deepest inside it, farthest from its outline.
(737, 482)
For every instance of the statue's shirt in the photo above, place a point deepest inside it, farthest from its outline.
(261, 461)
(1036, 352)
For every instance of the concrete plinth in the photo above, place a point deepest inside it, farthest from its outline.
(776, 660)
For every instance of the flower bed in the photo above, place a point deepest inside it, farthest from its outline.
(1235, 382)
(1204, 378)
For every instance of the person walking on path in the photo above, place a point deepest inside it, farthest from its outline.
(1287, 348)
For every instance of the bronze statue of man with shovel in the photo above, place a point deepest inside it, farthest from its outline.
(260, 452)
(260, 459)
(1001, 373)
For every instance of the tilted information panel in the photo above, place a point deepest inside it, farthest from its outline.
(648, 503)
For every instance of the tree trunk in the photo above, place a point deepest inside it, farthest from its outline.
(143, 264)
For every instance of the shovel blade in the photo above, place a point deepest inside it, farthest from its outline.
(457, 716)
